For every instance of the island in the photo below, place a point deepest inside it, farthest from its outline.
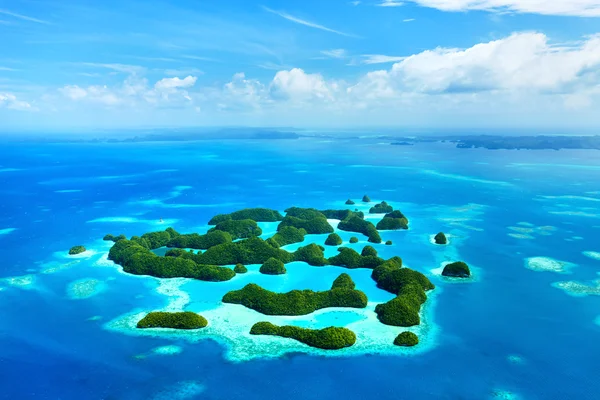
(457, 270)
(406, 339)
(332, 338)
(393, 221)
(273, 266)
(410, 288)
(440, 238)
(333, 240)
(298, 302)
(366, 199)
(240, 269)
(235, 240)
(381, 208)
(389, 243)
(350, 202)
(76, 250)
(173, 320)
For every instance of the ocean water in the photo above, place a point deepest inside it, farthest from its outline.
(525, 327)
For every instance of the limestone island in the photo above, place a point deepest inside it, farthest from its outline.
(366, 199)
(331, 338)
(440, 238)
(406, 339)
(76, 250)
(333, 240)
(350, 202)
(457, 270)
(173, 320)
(235, 240)
(298, 302)
(381, 208)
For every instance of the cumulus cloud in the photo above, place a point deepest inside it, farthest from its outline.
(581, 8)
(520, 62)
(296, 84)
(11, 102)
(170, 84)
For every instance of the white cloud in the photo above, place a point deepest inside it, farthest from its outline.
(335, 53)
(305, 22)
(170, 84)
(11, 102)
(296, 84)
(23, 17)
(582, 8)
(520, 62)
(380, 59)
(390, 3)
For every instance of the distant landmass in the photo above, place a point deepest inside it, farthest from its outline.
(493, 142)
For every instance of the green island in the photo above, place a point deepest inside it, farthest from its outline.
(393, 221)
(332, 338)
(406, 339)
(366, 199)
(298, 302)
(350, 202)
(440, 238)
(233, 242)
(389, 243)
(381, 208)
(457, 270)
(333, 240)
(76, 250)
(240, 269)
(410, 288)
(273, 266)
(173, 320)
(255, 214)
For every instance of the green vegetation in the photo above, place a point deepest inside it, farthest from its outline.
(135, 258)
(174, 320)
(393, 221)
(240, 269)
(311, 220)
(287, 235)
(255, 214)
(368, 251)
(200, 242)
(349, 258)
(333, 240)
(440, 238)
(344, 281)
(247, 251)
(113, 238)
(311, 254)
(298, 302)
(350, 202)
(409, 286)
(341, 214)
(381, 208)
(406, 339)
(366, 199)
(355, 223)
(389, 243)
(353, 239)
(331, 338)
(238, 229)
(273, 266)
(76, 250)
(457, 270)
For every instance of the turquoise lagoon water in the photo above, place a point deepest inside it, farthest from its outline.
(525, 327)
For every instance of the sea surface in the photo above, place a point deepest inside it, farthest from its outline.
(526, 326)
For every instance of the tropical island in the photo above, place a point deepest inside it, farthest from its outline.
(76, 250)
(440, 238)
(298, 302)
(173, 320)
(332, 338)
(457, 270)
(236, 240)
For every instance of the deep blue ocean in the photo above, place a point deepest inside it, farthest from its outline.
(508, 334)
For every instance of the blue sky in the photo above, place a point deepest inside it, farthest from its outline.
(421, 63)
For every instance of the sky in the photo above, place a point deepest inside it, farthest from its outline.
(76, 65)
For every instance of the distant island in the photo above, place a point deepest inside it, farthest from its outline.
(235, 240)
(496, 142)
